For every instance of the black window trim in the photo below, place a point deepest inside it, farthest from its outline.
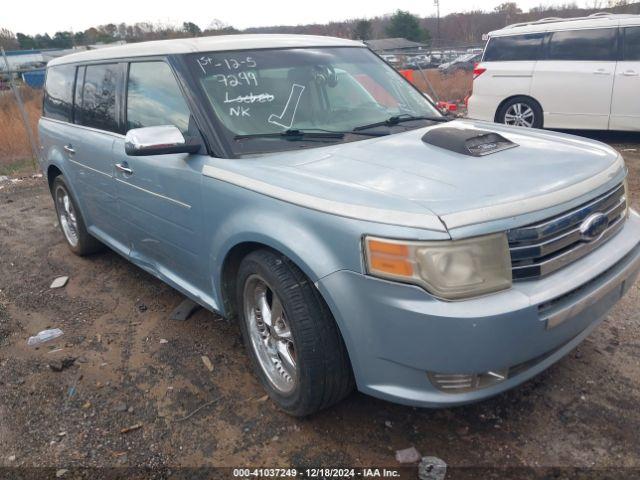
(75, 89)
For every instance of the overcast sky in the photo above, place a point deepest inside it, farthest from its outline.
(39, 16)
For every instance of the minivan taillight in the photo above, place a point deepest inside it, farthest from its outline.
(477, 71)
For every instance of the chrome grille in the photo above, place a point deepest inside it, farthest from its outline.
(542, 248)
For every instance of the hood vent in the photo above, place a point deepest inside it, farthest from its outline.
(467, 141)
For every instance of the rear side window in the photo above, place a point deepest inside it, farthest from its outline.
(154, 98)
(632, 43)
(98, 103)
(58, 93)
(513, 48)
(596, 45)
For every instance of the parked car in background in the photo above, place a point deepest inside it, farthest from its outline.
(304, 188)
(393, 60)
(579, 73)
(419, 61)
(465, 63)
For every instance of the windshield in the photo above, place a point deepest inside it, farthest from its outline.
(256, 92)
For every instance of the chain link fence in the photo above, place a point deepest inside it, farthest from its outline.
(20, 109)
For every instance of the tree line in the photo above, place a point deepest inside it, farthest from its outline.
(453, 29)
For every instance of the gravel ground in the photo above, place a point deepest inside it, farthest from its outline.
(137, 369)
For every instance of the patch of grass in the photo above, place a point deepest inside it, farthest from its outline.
(451, 87)
(14, 142)
(17, 167)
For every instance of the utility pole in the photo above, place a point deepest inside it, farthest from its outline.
(437, 4)
(23, 112)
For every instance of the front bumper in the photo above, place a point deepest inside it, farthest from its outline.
(397, 333)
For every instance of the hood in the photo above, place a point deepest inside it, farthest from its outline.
(402, 172)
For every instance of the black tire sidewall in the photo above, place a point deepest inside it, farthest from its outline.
(252, 265)
(86, 243)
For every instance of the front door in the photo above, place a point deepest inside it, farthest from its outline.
(625, 102)
(159, 195)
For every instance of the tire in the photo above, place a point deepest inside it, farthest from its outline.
(521, 112)
(71, 222)
(310, 349)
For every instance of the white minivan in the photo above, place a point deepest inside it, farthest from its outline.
(576, 73)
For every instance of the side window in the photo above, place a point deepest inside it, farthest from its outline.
(632, 43)
(154, 98)
(58, 92)
(98, 107)
(513, 48)
(596, 45)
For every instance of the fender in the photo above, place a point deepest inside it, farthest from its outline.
(284, 233)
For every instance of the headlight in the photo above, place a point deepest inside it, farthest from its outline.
(451, 270)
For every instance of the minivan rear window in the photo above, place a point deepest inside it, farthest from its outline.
(595, 44)
(58, 92)
(513, 48)
(632, 43)
(98, 104)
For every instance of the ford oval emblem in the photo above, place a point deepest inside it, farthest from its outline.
(593, 226)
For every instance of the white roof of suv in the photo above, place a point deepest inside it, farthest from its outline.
(205, 44)
(596, 20)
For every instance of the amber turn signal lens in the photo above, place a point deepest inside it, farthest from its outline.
(389, 258)
(396, 249)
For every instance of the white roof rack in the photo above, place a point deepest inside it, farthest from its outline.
(608, 15)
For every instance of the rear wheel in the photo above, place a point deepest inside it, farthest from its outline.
(71, 222)
(521, 112)
(291, 336)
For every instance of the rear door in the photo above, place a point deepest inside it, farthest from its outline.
(574, 81)
(625, 102)
(97, 126)
(159, 195)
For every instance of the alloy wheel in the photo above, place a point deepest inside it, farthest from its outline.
(67, 215)
(270, 334)
(519, 115)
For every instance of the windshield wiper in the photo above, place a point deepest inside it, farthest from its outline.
(396, 119)
(296, 134)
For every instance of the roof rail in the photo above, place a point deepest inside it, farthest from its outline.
(558, 19)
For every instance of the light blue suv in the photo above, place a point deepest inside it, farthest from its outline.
(302, 186)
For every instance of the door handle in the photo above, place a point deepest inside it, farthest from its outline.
(601, 71)
(630, 73)
(69, 149)
(123, 168)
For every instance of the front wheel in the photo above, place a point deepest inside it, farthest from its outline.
(521, 112)
(292, 339)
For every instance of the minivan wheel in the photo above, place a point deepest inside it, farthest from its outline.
(71, 222)
(521, 112)
(292, 339)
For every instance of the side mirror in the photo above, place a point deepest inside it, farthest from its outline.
(159, 140)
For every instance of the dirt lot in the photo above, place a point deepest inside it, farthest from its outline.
(135, 367)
